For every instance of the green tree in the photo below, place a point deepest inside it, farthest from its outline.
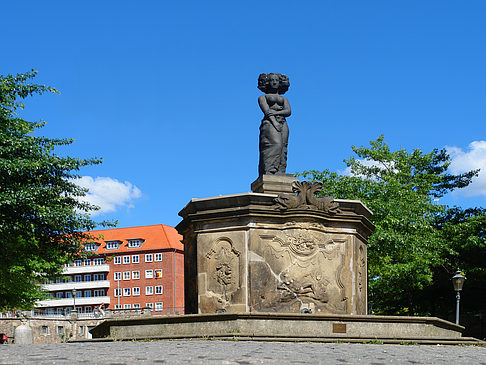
(400, 188)
(464, 232)
(41, 219)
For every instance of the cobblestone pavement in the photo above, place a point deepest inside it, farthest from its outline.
(237, 352)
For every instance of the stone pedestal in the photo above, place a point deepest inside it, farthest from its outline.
(273, 184)
(295, 254)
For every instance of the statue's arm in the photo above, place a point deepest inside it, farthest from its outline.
(269, 113)
(262, 101)
(285, 112)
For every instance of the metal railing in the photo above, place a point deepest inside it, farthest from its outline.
(145, 311)
(109, 313)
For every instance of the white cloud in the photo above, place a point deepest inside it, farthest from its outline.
(463, 161)
(109, 194)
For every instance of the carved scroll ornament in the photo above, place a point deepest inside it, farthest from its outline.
(304, 197)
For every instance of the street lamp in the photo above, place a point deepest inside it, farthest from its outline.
(74, 299)
(458, 282)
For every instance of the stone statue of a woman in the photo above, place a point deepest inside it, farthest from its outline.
(274, 132)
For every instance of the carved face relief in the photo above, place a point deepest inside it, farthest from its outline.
(302, 244)
(223, 274)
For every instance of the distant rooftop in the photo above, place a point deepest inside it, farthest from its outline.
(159, 236)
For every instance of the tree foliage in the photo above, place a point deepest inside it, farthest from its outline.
(41, 218)
(401, 189)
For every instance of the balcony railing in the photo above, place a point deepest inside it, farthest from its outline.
(69, 302)
(78, 285)
(71, 270)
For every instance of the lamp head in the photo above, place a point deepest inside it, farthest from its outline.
(458, 280)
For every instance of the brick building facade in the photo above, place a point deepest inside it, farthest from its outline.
(127, 268)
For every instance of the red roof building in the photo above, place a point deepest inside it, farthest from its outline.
(129, 268)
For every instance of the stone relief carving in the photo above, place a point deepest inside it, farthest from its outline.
(361, 307)
(361, 269)
(222, 265)
(306, 267)
(304, 197)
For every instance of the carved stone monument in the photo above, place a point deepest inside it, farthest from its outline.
(286, 253)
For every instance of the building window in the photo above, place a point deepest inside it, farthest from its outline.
(117, 292)
(99, 261)
(126, 259)
(98, 277)
(149, 257)
(149, 274)
(88, 310)
(79, 294)
(99, 292)
(77, 262)
(59, 295)
(58, 280)
(135, 275)
(87, 277)
(68, 294)
(87, 262)
(136, 291)
(126, 275)
(126, 292)
(60, 330)
(135, 259)
(158, 274)
(149, 290)
(91, 247)
(134, 243)
(159, 289)
(45, 330)
(59, 311)
(159, 306)
(78, 278)
(113, 245)
(117, 306)
(117, 260)
(158, 257)
(150, 305)
(117, 276)
(126, 306)
(136, 305)
(87, 293)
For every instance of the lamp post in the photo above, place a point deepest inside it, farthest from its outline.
(458, 282)
(74, 299)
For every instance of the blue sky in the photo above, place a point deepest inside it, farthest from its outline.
(166, 92)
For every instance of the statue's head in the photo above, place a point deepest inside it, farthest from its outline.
(273, 81)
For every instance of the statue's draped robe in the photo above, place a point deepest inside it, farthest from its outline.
(273, 147)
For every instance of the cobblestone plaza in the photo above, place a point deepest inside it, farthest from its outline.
(237, 352)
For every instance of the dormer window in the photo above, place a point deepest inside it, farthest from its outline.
(135, 243)
(91, 247)
(112, 245)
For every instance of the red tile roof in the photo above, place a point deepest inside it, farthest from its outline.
(154, 237)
